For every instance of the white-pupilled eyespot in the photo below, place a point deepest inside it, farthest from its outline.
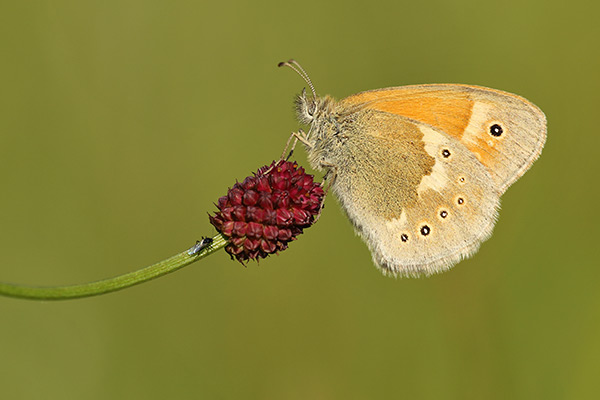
(496, 130)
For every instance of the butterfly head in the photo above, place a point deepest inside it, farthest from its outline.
(306, 108)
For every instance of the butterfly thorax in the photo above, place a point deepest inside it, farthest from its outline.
(329, 123)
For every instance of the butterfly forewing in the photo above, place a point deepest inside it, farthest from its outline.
(504, 131)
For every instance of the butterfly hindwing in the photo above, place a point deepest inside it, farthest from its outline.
(420, 199)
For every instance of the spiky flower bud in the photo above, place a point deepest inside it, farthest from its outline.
(265, 212)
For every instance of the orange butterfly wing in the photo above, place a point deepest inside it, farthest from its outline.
(468, 114)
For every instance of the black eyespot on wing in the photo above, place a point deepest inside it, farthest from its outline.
(425, 230)
(404, 237)
(446, 153)
(496, 130)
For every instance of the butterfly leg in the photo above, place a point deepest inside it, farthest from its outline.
(301, 136)
(330, 176)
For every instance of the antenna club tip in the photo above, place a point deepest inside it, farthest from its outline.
(293, 64)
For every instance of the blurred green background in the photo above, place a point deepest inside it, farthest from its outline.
(122, 122)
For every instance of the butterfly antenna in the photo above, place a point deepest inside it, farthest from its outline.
(297, 64)
(293, 64)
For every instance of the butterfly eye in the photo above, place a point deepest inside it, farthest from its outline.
(496, 130)
(311, 107)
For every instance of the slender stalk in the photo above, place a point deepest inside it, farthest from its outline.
(112, 284)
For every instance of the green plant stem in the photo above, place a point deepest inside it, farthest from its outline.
(112, 284)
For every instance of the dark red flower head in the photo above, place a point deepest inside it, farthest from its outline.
(265, 212)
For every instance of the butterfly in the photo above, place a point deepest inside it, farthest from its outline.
(419, 170)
